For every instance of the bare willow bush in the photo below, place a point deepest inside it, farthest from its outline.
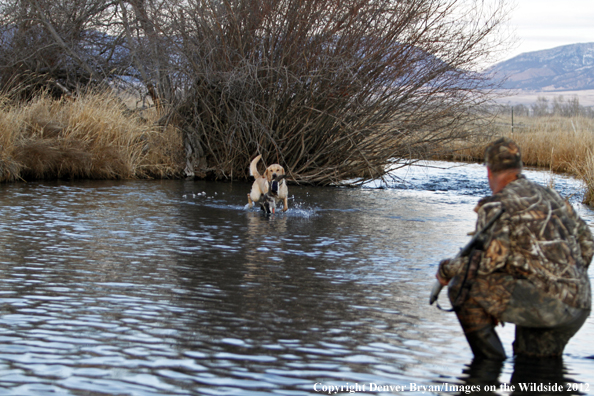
(61, 46)
(334, 90)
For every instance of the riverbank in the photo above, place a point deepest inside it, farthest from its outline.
(559, 144)
(97, 137)
(92, 137)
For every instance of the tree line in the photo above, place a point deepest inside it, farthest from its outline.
(558, 106)
(335, 90)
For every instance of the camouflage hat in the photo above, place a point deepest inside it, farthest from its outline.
(503, 154)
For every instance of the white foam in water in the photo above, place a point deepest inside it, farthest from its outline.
(468, 179)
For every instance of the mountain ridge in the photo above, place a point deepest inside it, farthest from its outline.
(565, 68)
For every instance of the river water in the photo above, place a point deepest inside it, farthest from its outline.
(175, 288)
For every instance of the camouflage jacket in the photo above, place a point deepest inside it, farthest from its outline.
(539, 237)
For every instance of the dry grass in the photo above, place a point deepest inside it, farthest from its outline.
(97, 137)
(587, 175)
(560, 144)
(94, 136)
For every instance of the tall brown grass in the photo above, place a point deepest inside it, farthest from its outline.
(559, 144)
(94, 136)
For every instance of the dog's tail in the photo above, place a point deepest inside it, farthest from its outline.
(254, 167)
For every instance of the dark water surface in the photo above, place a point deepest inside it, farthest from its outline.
(175, 288)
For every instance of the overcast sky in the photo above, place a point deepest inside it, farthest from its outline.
(544, 24)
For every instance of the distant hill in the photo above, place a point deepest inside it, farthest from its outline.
(565, 68)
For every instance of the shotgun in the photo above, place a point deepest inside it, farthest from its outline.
(465, 251)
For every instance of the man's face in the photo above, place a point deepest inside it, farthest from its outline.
(491, 179)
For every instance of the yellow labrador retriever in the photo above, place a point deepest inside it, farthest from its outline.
(271, 184)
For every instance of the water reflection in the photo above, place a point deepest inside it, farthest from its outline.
(531, 376)
(482, 375)
(173, 288)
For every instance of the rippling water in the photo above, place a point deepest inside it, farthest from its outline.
(175, 288)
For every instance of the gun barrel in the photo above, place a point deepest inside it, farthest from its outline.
(437, 286)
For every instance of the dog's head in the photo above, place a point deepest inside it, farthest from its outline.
(274, 171)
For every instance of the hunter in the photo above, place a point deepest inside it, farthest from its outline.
(531, 268)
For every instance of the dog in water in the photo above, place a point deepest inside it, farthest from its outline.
(270, 188)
